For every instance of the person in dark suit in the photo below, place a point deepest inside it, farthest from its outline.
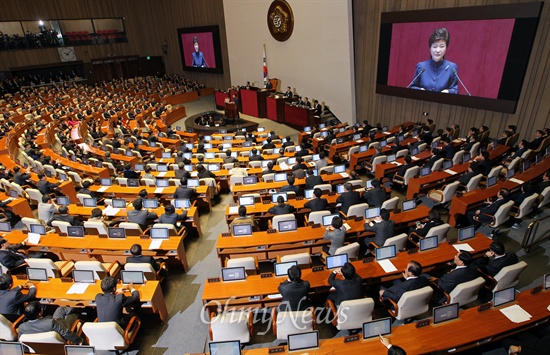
(288, 143)
(461, 273)
(255, 155)
(403, 169)
(288, 92)
(348, 198)
(448, 151)
(434, 220)
(65, 217)
(545, 182)
(491, 209)
(85, 189)
(376, 195)
(61, 322)
(350, 288)
(294, 291)
(171, 217)
(229, 158)
(483, 163)
(382, 227)
(377, 154)
(181, 172)
(473, 170)
(183, 191)
(19, 177)
(269, 144)
(282, 207)
(109, 305)
(413, 281)
(299, 164)
(202, 173)
(9, 257)
(129, 173)
(312, 180)
(137, 257)
(317, 109)
(500, 259)
(138, 215)
(44, 186)
(527, 344)
(11, 299)
(290, 187)
(317, 203)
(269, 169)
(535, 143)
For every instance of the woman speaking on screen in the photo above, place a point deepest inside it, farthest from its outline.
(198, 57)
(437, 73)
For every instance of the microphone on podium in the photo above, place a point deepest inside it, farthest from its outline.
(416, 77)
(464, 86)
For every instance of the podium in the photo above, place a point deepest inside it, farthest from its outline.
(253, 102)
(276, 107)
(231, 110)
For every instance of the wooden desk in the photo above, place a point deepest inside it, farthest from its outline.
(384, 169)
(434, 179)
(56, 290)
(20, 206)
(276, 107)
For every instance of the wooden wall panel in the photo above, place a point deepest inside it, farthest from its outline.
(533, 110)
(149, 23)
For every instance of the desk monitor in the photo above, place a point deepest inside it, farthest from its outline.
(363, 148)
(246, 201)
(36, 274)
(546, 282)
(447, 164)
(526, 166)
(250, 180)
(308, 194)
(466, 158)
(339, 169)
(504, 296)
(188, 167)
(85, 276)
(372, 212)
(414, 151)
(265, 162)
(400, 138)
(132, 182)
(79, 350)
(261, 129)
(383, 143)
(75, 231)
(5, 227)
(106, 182)
(340, 189)
(315, 172)
(13, 194)
(228, 138)
(391, 158)
(62, 177)
(315, 157)
(445, 313)
(139, 142)
(225, 347)
(213, 167)
(162, 182)
(119, 203)
(247, 144)
(435, 144)
(281, 269)
(384, 128)
(188, 155)
(48, 173)
(241, 230)
(334, 261)
(63, 201)
(116, 233)
(128, 153)
(327, 220)
(408, 205)
(233, 274)
(276, 195)
(375, 328)
(150, 203)
(386, 252)
(132, 277)
(162, 168)
(340, 140)
(166, 155)
(138, 167)
(303, 341)
(90, 202)
(11, 348)
(547, 151)
(356, 137)
(182, 203)
(276, 150)
(152, 144)
(306, 129)
(415, 133)
(209, 155)
(368, 184)
(227, 146)
(466, 233)
(291, 161)
(38, 229)
(98, 164)
(429, 243)
(538, 159)
(425, 171)
(510, 174)
(322, 125)
(193, 183)
(159, 233)
(492, 181)
(288, 226)
(189, 146)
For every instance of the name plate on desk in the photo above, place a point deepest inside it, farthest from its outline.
(266, 202)
(412, 251)
(316, 225)
(368, 260)
(62, 234)
(103, 236)
(299, 198)
(358, 218)
(21, 277)
(350, 338)
(213, 279)
(423, 323)
(484, 307)
(332, 193)
(308, 242)
(266, 275)
(66, 279)
(536, 289)
(397, 210)
(271, 231)
(276, 349)
(226, 234)
(143, 237)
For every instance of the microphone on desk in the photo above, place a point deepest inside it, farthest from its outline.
(464, 86)
(416, 77)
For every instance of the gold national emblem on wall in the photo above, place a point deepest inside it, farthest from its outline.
(280, 20)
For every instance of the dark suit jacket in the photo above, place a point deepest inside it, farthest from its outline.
(403, 169)
(382, 231)
(21, 178)
(317, 204)
(294, 295)
(172, 218)
(492, 267)
(292, 188)
(284, 209)
(11, 301)
(464, 179)
(10, 259)
(348, 199)
(493, 207)
(185, 192)
(449, 281)
(109, 306)
(346, 289)
(47, 324)
(131, 174)
(65, 218)
(140, 217)
(313, 180)
(375, 197)
(143, 259)
(399, 288)
(424, 230)
(45, 187)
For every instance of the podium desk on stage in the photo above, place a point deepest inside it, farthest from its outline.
(231, 110)
(276, 107)
(298, 116)
(253, 102)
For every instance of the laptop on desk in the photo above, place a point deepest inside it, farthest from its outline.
(233, 274)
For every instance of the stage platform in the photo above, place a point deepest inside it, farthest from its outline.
(238, 124)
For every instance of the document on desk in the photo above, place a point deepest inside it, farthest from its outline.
(111, 211)
(155, 244)
(517, 181)
(414, 158)
(396, 163)
(277, 295)
(344, 175)
(159, 190)
(464, 246)
(78, 288)
(359, 141)
(194, 174)
(233, 209)
(162, 174)
(283, 166)
(516, 314)
(34, 238)
(450, 172)
(102, 189)
(387, 265)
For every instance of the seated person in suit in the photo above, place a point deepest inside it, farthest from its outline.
(299, 164)
(500, 259)
(376, 195)
(255, 155)
(203, 173)
(44, 186)
(10, 257)
(269, 169)
(378, 153)
(434, 220)
(244, 219)
(336, 233)
(350, 288)
(171, 217)
(97, 216)
(140, 216)
(463, 272)
(473, 170)
(413, 281)
(148, 174)
(484, 163)
(294, 291)
(228, 158)
(348, 198)
(483, 214)
(85, 189)
(181, 172)
(281, 207)
(61, 322)
(312, 180)
(137, 257)
(382, 227)
(403, 169)
(110, 304)
(317, 203)
(129, 173)
(322, 162)
(545, 182)
(183, 191)
(11, 298)
(290, 187)
(64, 216)
(288, 143)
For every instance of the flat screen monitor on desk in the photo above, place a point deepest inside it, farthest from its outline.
(75, 231)
(132, 277)
(372, 212)
(182, 203)
(132, 182)
(250, 180)
(391, 158)
(334, 261)
(225, 347)
(510, 174)
(5, 227)
(162, 182)
(37, 274)
(38, 229)
(63, 201)
(308, 194)
(159, 233)
(386, 252)
(11, 348)
(447, 164)
(276, 196)
(280, 177)
(504, 296)
(233, 274)
(193, 183)
(281, 269)
(79, 350)
(409, 205)
(363, 148)
(166, 155)
(376, 328)
(466, 233)
(90, 202)
(445, 313)
(340, 189)
(315, 157)
(546, 282)
(288, 226)
(138, 167)
(466, 158)
(106, 182)
(428, 243)
(128, 153)
(213, 167)
(425, 171)
(84, 276)
(265, 163)
(241, 230)
(246, 201)
(339, 169)
(62, 177)
(303, 341)
(291, 161)
(492, 181)
(162, 168)
(116, 233)
(119, 203)
(327, 220)
(150, 203)
(209, 155)
(383, 143)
